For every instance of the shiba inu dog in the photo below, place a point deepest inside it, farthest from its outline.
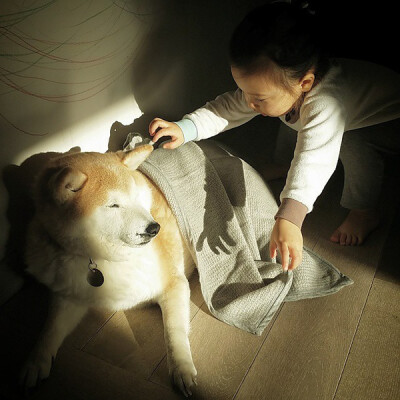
(104, 235)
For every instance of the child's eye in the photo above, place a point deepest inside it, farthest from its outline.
(260, 100)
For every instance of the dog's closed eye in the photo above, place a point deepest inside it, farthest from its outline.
(115, 205)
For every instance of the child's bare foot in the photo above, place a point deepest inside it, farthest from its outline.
(356, 227)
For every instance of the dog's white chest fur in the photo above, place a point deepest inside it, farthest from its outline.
(126, 283)
(129, 283)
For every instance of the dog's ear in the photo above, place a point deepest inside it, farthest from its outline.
(66, 183)
(133, 158)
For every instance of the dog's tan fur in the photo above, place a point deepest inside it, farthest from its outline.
(100, 207)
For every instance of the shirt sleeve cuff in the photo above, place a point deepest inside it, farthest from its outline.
(189, 129)
(293, 211)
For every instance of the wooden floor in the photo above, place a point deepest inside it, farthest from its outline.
(344, 346)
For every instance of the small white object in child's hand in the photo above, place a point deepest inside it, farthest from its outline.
(135, 140)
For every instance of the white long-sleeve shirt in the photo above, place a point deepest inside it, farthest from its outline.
(353, 94)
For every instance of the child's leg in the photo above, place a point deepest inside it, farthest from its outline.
(363, 168)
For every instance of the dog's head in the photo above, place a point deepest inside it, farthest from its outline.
(95, 204)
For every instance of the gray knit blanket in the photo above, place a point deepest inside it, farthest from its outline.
(226, 214)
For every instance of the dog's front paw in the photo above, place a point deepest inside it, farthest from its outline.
(36, 369)
(184, 376)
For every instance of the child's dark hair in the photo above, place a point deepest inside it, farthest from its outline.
(282, 33)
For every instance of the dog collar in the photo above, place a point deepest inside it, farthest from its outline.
(94, 277)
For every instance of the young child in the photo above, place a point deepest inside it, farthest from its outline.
(339, 108)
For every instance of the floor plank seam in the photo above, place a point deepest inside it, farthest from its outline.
(198, 309)
(97, 332)
(363, 309)
(104, 360)
(258, 351)
(158, 385)
(354, 336)
(156, 367)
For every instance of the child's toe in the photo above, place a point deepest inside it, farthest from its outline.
(343, 239)
(335, 237)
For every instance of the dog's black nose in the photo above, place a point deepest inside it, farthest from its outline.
(153, 229)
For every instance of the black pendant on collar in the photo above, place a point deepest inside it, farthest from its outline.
(290, 115)
(94, 277)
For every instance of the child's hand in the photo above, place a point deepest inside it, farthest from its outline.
(287, 238)
(159, 128)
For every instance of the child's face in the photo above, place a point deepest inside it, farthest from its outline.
(264, 95)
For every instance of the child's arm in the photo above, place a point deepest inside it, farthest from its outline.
(225, 112)
(315, 158)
